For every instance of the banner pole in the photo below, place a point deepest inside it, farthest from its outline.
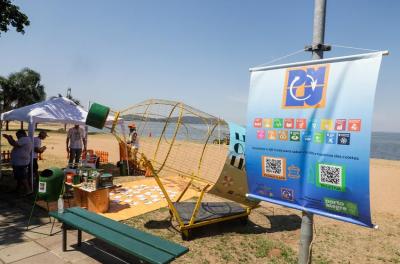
(317, 48)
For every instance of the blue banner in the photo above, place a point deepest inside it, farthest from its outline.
(308, 135)
(232, 184)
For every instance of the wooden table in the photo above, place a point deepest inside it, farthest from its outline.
(96, 201)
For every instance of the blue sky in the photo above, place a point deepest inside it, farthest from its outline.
(121, 52)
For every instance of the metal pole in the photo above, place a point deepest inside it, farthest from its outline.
(317, 48)
(319, 29)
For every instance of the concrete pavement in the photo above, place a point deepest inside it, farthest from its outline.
(18, 245)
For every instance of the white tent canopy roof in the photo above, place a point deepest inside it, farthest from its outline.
(53, 110)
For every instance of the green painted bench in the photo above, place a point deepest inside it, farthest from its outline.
(142, 245)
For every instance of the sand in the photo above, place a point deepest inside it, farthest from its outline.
(385, 181)
(384, 174)
(334, 241)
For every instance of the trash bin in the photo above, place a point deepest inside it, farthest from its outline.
(123, 167)
(97, 115)
(50, 184)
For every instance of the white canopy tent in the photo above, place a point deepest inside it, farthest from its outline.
(53, 110)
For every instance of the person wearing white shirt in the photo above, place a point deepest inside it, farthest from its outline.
(76, 141)
(20, 159)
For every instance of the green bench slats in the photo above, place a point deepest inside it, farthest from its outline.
(121, 241)
(157, 242)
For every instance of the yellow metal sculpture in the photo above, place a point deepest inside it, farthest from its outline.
(164, 138)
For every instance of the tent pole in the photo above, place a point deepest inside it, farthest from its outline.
(86, 134)
(31, 129)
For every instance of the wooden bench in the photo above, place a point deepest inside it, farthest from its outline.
(144, 246)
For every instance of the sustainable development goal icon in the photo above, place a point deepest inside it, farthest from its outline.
(305, 87)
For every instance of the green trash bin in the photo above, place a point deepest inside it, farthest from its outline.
(123, 167)
(50, 184)
(97, 115)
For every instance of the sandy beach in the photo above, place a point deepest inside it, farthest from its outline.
(363, 245)
(384, 178)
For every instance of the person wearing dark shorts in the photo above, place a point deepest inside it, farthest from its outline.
(76, 140)
(21, 176)
(20, 159)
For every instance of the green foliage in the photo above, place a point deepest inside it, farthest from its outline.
(20, 89)
(11, 16)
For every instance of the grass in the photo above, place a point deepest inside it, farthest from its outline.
(271, 238)
(228, 242)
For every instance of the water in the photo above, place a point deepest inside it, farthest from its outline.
(385, 145)
(187, 131)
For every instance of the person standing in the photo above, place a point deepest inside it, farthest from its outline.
(133, 136)
(37, 150)
(134, 144)
(76, 140)
(20, 159)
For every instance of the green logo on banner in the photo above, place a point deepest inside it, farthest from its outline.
(319, 137)
(294, 135)
(278, 122)
(341, 206)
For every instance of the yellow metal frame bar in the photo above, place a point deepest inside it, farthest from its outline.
(145, 116)
(178, 125)
(204, 149)
(115, 122)
(185, 190)
(164, 128)
(186, 175)
(198, 204)
(165, 193)
(216, 220)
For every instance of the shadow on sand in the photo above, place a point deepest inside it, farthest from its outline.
(232, 226)
(280, 223)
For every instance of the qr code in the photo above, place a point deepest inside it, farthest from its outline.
(331, 176)
(274, 167)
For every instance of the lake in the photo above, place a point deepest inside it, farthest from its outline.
(384, 145)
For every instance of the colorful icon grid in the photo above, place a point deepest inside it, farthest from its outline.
(324, 131)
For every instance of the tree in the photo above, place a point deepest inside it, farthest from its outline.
(11, 16)
(20, 89)
(25, 88)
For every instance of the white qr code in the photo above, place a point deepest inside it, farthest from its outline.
(274, 167)
(331, 176)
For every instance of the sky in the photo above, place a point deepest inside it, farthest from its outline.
(121, 52)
